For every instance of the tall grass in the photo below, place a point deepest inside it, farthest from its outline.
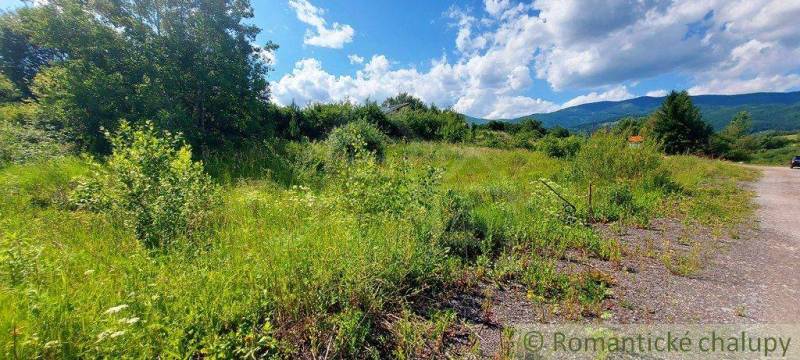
(307, 258)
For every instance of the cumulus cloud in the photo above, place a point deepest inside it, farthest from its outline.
(496, 7)
(355, 59)
(334, 36)
(753, 66)
(599, 47)
(621, 40)
(614, 94)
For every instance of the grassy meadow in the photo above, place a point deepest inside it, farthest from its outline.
(307, 256)
(778, 156)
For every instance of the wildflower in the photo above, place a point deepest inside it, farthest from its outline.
(116, 309)
(130, 321)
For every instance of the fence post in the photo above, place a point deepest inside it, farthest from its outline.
(591, 210)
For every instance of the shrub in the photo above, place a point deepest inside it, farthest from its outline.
(661, 180)
(453, 127)
(461, 228)
(350, 139)
(393, 189)
(8, 91)
(493, 139)
(24, 138)
(559, 147)
(152, 184)
(607, 158)
(431, 124)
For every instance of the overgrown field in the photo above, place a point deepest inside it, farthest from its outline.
(307, 255)
(788, 148)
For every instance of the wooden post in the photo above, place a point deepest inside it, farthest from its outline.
(591, 211)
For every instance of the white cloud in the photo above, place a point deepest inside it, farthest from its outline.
(355, 59)
(756, 84)
(496, 7)
(610, 42)
(753, 66)
(614, 94)
(267, 56)
(509, 107)
(657, 93)
(466, 43)
(334, 36)
(600, 47)
(444, 82)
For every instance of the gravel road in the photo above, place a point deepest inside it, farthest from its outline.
(776, 253)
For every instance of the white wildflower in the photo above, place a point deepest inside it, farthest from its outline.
(116, 309)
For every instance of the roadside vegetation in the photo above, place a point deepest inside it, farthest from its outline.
(339, 261)
(144, 215)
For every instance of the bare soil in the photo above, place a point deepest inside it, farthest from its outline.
(748, 275)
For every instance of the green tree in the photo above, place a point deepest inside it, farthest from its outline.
(628, 126)
(532, 126)
(19, 58)
(8, 90)
(189, 66)
(678, 126)
(404, 101)
(739, 127)
(734, 141)
(558, 131)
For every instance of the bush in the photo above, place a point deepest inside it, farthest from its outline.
(152, 184)
(394, 189)
(23, 138)
(431, 124)
(353, 138)
(453, 128)
(607, 158)
(493, 139)
(559, 147)
(461, 228)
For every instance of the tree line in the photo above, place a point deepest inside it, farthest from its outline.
(73, 69)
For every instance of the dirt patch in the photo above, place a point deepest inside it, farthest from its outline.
(672, 273)
(694, 284)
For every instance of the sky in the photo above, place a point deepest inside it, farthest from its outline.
(504, 58)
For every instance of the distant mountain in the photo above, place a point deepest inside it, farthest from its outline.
(770, 111)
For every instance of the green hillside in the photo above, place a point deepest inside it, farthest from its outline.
(770, 111)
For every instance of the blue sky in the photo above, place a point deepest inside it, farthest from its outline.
(507, 58)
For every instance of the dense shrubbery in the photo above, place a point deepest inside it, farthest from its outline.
(24, 138)
(152, 184)
(418, 121)
(606, 158)
(193, 68)
(559, 147)
(736, 143)
(356, 137)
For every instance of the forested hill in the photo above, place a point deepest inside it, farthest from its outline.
(770, 111)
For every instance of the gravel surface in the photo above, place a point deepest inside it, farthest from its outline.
(774, 258)
(751, 275)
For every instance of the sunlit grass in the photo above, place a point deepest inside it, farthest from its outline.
(296, 270)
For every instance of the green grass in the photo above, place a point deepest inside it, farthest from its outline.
(779, 157)
(327, 266)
